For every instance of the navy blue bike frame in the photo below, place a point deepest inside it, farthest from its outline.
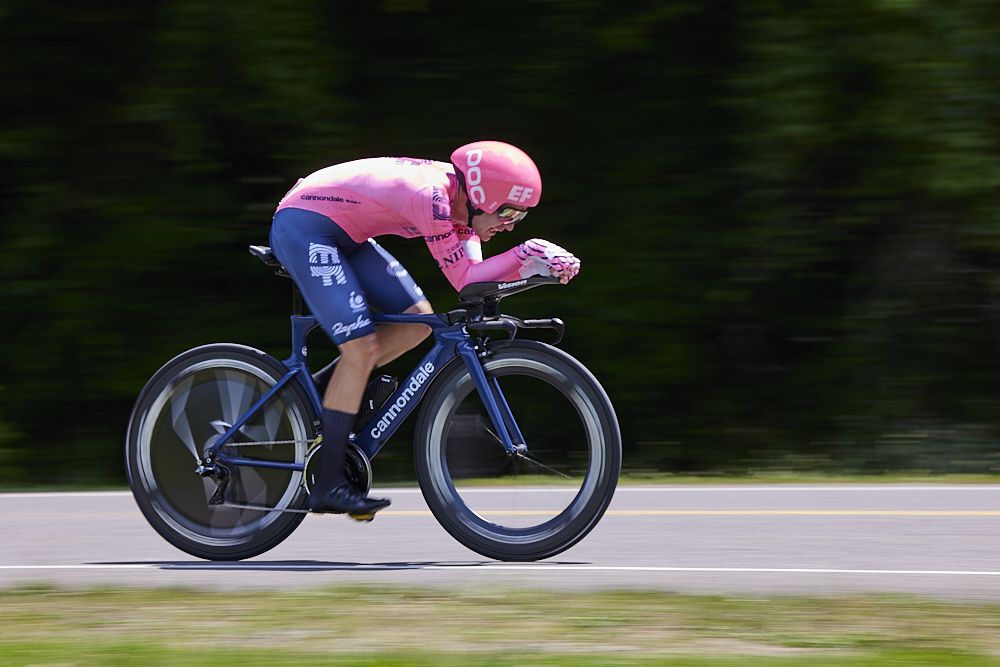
(450, 340)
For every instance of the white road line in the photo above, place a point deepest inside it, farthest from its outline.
(112, 566)
(498, 567)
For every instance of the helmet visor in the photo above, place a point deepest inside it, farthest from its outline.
(510, 215)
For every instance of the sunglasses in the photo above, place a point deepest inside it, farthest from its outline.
(510, 215)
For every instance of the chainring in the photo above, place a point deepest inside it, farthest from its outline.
(357, 467)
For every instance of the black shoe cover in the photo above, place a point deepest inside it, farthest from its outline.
(345, 500)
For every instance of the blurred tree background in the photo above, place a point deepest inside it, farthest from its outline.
(787, 212)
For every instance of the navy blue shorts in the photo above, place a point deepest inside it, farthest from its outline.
(341, 280)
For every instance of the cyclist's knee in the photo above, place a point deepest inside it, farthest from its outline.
(418, 332)
(364, 350)
(422, 307)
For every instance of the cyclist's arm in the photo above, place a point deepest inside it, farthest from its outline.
(459, 256)
(456, 249)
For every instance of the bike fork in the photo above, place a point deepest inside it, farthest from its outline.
(507, 431)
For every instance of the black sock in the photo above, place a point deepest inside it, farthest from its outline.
(336, 430)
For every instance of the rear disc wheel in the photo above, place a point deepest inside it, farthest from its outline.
(183, 410)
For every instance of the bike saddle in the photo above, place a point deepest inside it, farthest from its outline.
(266, 255)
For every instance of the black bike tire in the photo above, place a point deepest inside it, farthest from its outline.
(448, 511)
(256, 543)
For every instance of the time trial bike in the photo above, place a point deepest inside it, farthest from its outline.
(222, 439)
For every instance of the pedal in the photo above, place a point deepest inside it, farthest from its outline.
(367, 518)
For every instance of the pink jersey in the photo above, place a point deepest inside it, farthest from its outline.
(402, 197)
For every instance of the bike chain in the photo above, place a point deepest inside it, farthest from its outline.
(262, 508)
(364, 518)
(263, 443)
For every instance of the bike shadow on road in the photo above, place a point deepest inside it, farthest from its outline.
(325, 566)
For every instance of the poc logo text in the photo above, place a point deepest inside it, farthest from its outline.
(474, 177)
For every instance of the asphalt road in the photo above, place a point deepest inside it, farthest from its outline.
(736, 540)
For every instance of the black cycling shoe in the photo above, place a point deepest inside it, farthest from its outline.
(345, 500)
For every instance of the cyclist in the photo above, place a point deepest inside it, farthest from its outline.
(323, 233)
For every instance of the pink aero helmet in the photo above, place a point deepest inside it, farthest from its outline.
(495, 173)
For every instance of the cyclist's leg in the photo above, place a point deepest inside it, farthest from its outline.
(341, 403)
(390, 289)
(314, 251)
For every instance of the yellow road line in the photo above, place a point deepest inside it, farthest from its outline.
(930, 513)
(36, 516)
(626, 513)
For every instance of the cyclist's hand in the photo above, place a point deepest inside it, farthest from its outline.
(540, 257)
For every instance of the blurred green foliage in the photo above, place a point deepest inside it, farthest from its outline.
(787, 212)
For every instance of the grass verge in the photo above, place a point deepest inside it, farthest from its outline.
(379, 625)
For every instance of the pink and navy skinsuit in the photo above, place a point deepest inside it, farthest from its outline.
(324, 228)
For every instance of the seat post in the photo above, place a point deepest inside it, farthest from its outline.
(265, 254)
